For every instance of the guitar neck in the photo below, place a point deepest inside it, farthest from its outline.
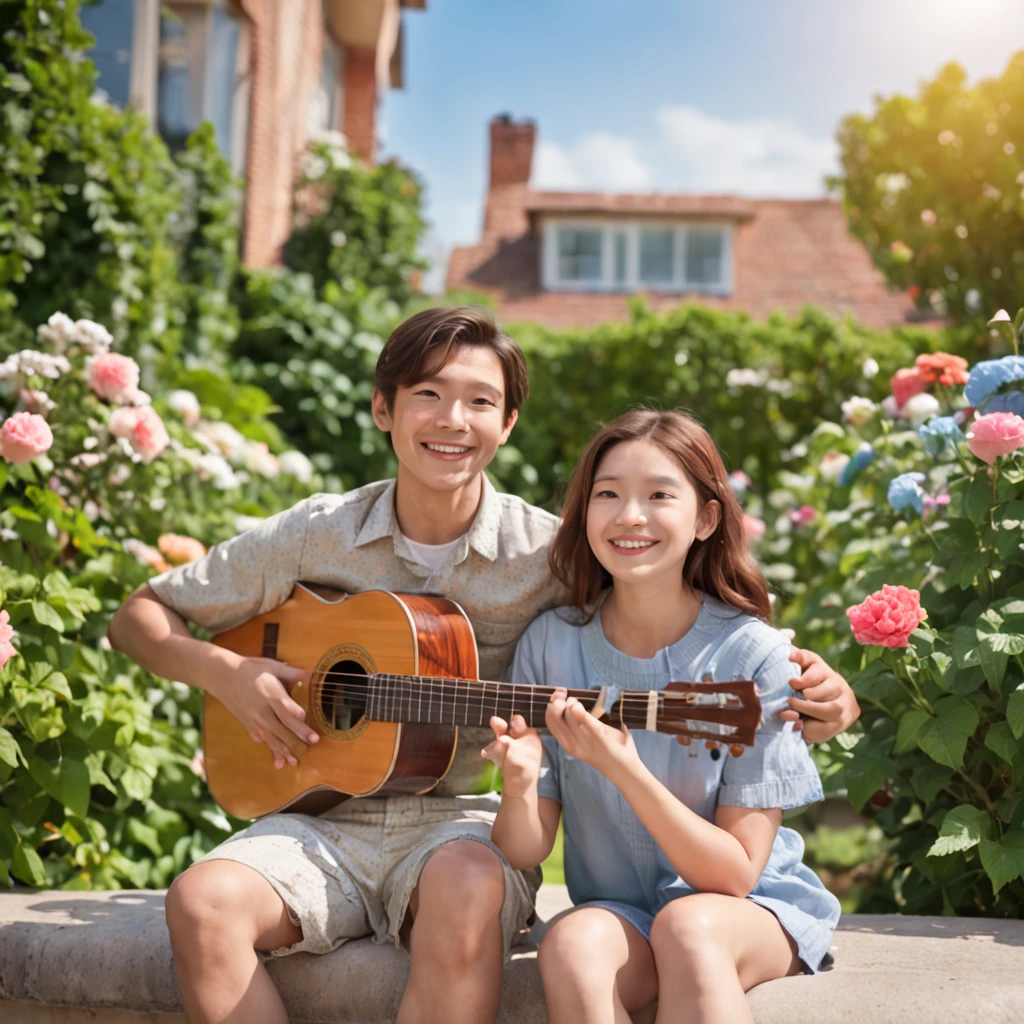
(441, 701)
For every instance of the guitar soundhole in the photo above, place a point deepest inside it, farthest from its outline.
(343, 696)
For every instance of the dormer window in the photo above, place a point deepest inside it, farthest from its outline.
(616, 255)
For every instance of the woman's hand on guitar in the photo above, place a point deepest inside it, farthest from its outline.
(582, 736)
(257, 693)
(517, 752)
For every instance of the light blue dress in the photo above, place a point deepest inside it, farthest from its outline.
(610, 858)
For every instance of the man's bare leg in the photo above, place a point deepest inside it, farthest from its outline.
(456, 944)
(219, 913)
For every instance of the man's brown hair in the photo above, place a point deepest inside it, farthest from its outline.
(420, 346)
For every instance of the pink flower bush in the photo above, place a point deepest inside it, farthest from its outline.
(25, 436)
(998, 433)
(180, 549)
(887, 617)
(7, 650)
(143, 428)
(114, 377)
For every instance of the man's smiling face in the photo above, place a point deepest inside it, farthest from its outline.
(446, 429)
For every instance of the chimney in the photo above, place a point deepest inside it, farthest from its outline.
(511, 150)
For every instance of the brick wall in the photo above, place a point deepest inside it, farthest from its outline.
(360, 111)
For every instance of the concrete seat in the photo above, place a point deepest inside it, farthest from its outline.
(106, 957)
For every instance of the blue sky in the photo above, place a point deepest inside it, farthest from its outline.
(665, 95)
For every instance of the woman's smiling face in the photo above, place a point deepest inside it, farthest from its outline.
(644, 513)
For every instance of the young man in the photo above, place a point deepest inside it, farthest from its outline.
(449, 386)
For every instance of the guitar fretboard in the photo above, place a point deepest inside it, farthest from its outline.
(441, 701)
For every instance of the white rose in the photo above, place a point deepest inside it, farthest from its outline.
(869, 368)
(93, 337)
(920, 408)
(58, 330)
(186, 405)
(857, 410)
(297, 465)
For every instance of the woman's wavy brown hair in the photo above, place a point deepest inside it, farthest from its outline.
(720, 565)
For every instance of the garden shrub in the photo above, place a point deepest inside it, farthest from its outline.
(100, 779)
(922, 497)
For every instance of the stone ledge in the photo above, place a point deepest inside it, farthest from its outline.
(74, 957)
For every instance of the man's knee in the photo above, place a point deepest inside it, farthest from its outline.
(465, 877)
(206, 900)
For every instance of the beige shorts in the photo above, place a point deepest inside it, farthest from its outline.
(351, 872)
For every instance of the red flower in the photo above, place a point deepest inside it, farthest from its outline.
(887, 617)
(942, 367)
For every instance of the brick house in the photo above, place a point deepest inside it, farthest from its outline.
(266, 73)
(567, 259)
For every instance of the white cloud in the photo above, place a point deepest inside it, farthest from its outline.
(601, 161)
(756, 158)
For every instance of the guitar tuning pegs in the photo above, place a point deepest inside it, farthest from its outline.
(684, 740)
(736, 749)
(711, 744)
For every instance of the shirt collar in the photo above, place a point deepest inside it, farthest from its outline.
(482, 537)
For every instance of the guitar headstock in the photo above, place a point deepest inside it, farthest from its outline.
(726, 713)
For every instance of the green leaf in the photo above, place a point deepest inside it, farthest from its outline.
(962, 828)
(965, 647)
(1015, 712)
(66, 781)
(908, 729)
(1003, 860)
(136, 783)
(28, 866)
(9, 749)
(1000, 739)
(1006, 643)
(978, 499)
(58, 683)
(47, 616)
(944, 738)
(144, 835)
(5, 875)
(993, 662)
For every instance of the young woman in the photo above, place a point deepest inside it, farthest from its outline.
(685, 887)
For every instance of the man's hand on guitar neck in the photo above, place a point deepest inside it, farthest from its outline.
(255, 690)
(828, 707)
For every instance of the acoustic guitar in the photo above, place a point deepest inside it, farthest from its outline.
(393, 676)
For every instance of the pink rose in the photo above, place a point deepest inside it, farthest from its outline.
(906, 383)
(998, 433)
(754, 528)
(7, 650)
(887, 617)
(180, 549)
(24, 436)
(143, 428)
(803, 516)
(114, 377)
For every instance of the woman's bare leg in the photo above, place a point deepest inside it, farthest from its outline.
(709, 950)
(219, 913)
(596, 969)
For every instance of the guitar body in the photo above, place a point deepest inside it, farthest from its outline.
(327, 632)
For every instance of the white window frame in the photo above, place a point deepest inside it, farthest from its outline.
(609, 227)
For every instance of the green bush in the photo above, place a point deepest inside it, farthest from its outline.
(88, 195)
(760, 387)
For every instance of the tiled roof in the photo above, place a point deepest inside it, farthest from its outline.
(787, 253)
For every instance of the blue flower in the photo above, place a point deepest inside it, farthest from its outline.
(906, 490)
(1008, 401)
(859, 461)
(939, 432)
(988, 377)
